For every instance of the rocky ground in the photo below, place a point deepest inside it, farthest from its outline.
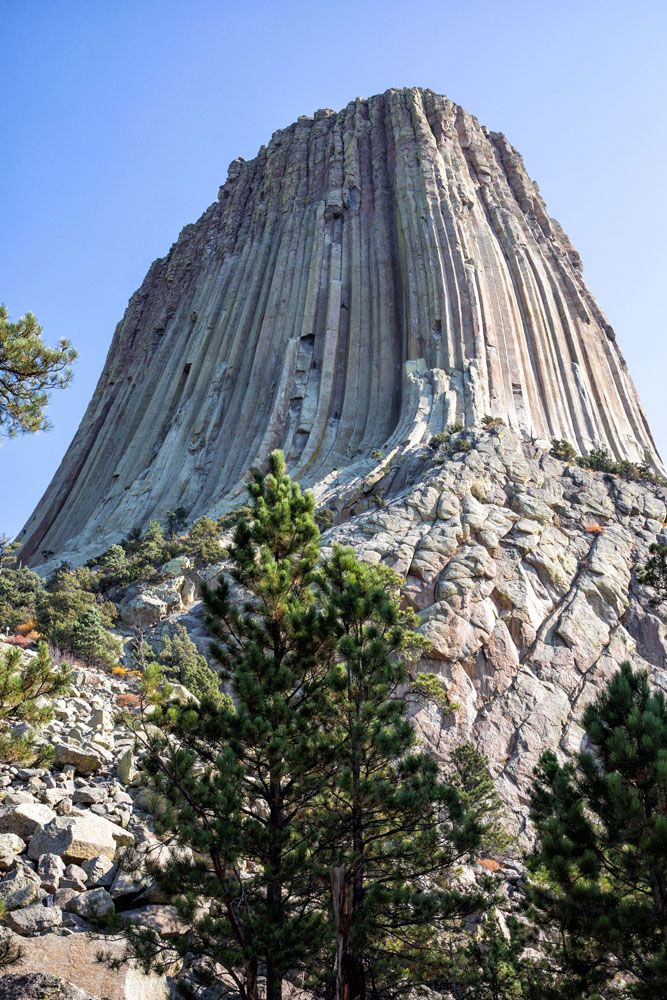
(64, 832)
(522, 570)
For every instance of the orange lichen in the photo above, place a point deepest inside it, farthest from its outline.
(594, 529)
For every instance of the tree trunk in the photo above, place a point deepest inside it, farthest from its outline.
(250, 975)
(274, 889)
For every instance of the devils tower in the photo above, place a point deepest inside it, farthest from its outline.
(372, 276)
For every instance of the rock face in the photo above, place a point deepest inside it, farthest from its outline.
(369, 277)
(522, 571)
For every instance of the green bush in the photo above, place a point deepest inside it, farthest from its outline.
(203, 542)
(72, 616)
(563, 450)
(181, 662)
(27, 684)
(324, 518)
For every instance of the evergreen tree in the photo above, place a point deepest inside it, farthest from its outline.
(468, 771)
(396, 830)
(29, 370)
(89, 639)
(70, 615)
(114, 567)
(20, 591)
(203, 542)
(601, 825)
(239, 785)
(27, 683)
(181, 662)
(654, 573)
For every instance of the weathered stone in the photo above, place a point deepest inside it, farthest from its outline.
(51, 869)
(25, 818)
(84, 759)
(74, 958)
(39, 986)
(10, 846)
(125, 768)
(34, 919)
(79, 838)
(93, 903)
(20, 887)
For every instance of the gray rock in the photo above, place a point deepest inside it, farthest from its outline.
(39, 986)
(32, 920)
(10, 846)
(51, 869)
(93, 903)
(20, 887)
(24, 819)
(85, 760)
(100, 871)
(79, 838)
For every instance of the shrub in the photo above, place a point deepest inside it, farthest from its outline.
(563, 450)
(91, 641)
(378, 454)
(324, 518)
(598, 460)
(20, 590)
(182, 663)
(26, 685)
(203, 541)
(492, 423)
(71, 615)
(654, 573)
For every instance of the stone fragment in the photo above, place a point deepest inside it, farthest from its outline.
(79, 838)
(24, 819)
(36, 919)
(93, 903)
(10, 846)
(39, 986)
(20, 887)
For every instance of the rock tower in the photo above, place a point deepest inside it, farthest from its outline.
(372, 276)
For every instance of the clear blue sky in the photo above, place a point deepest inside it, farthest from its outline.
(119, 120)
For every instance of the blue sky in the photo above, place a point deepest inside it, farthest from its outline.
(119, 121)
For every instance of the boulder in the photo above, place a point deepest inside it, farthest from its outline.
(143, 610)
(163, 919)
(24, 819)
(34, 919)
(93, 903)
(125, 769)
(10, 846)
(84, 759)
(20, 887)
(51, 869)
(79, 838)
(39, 986)
(99, 871)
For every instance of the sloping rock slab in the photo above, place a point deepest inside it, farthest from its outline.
(75, 959)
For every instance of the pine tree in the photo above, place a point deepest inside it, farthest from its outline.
(203, 542)
(182, 662)
(29, 370)
(90, 640)
(654, 573)
(396, 829)
(239, 784)
(27, 683)
(601, 825)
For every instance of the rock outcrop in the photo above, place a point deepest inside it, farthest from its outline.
(369, 277)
